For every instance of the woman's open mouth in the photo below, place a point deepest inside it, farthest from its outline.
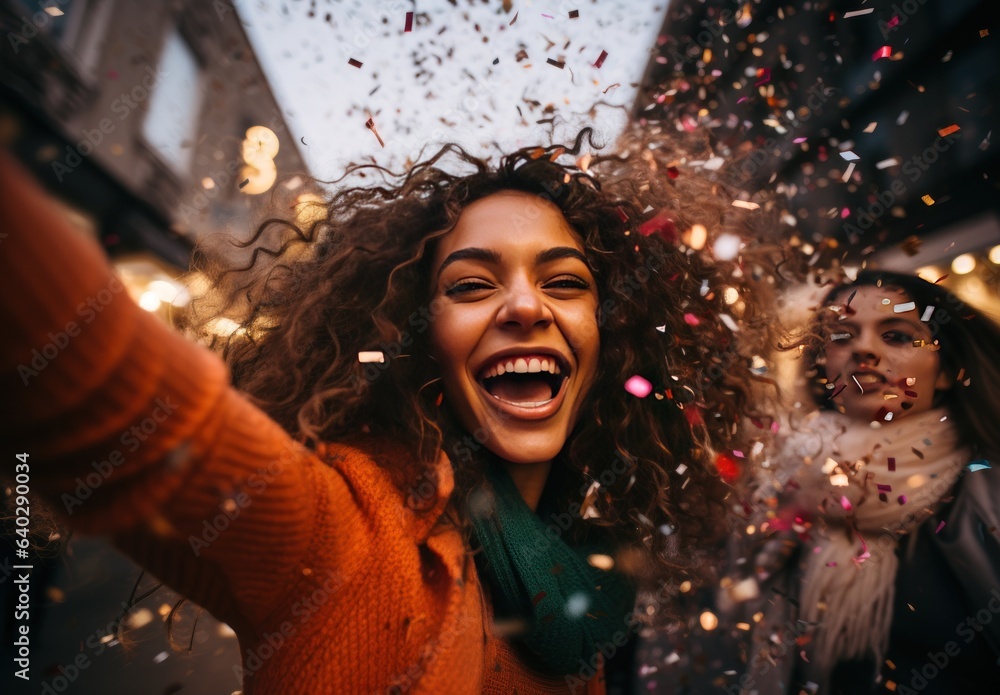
(524, 382)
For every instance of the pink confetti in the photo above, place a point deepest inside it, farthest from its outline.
(831, 564)
(691, 320)
(883, 487)
(774, 427)
(765, 76)
(892, 22)
(799, 141)
(742, 99)
(940, 526)
(892, 463)
(883, 52)
(846, 503)
(901, 499)
(638, 387)
(547, 16)
(738, 454)
(600, 59)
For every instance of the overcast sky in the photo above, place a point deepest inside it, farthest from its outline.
(438, 82)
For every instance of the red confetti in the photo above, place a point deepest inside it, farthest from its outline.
(673, 172)
(600, 60)
(727, 468)
(765, 76)
(693, 415)
(940, 526)
(691, 319)
(883, 52)
(622, 214)
(662, 225)
(409, 22)
(892, 463)
(538, 597)
(354, 63)
(892, 22)
(573, 14)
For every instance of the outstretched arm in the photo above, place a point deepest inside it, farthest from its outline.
(134, 431)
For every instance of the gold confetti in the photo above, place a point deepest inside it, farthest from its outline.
(927, 200)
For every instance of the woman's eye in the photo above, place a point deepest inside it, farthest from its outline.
(465, 287)
(568, 282)
(897, 337)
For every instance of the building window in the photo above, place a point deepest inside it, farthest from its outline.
(169, 127)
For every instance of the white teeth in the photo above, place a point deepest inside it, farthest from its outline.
(523, 365)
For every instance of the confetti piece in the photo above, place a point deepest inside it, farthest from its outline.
(799, 141)
(870, 128)
(978, 465)
(886, 163)
(638, 387)
(983, 33)
(681, 469)
(904, 307)
(846, 503)
(902, 118)
(355, 63)
(160, 658)
(370, 125)
(515, 19)
(244, 182)
(883, 52)
(691, 320)
(409, 22)
(600, 59)
(573, 14)
(901, 499)
(745, 204)
(765, 76)
(547, 16)
(371, 356)
(928, 312)
(727, 468)
(496, 61)
(558, 63)
(847, 174)
(892, 22)
(928, 200)
(849, 156)
(939, 527)
(538, 597)
(858, 13)
(949, 130)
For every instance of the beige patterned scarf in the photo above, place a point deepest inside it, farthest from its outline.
(867, 488)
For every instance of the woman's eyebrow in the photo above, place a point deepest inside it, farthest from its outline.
(560, 252)
(473, 253)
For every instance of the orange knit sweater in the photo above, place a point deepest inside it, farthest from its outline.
(331, 582)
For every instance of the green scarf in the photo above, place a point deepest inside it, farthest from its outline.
(572, 609)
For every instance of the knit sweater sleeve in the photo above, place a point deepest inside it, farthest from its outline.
(134, 431)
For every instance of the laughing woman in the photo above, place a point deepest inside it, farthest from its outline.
(435, 475)
(890, 490)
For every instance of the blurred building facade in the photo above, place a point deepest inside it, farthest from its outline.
(152, 123)
(874, 118)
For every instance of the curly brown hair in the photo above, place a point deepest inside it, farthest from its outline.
(308, 300)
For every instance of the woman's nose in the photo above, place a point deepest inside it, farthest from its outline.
(524, 306)
(865, 351)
